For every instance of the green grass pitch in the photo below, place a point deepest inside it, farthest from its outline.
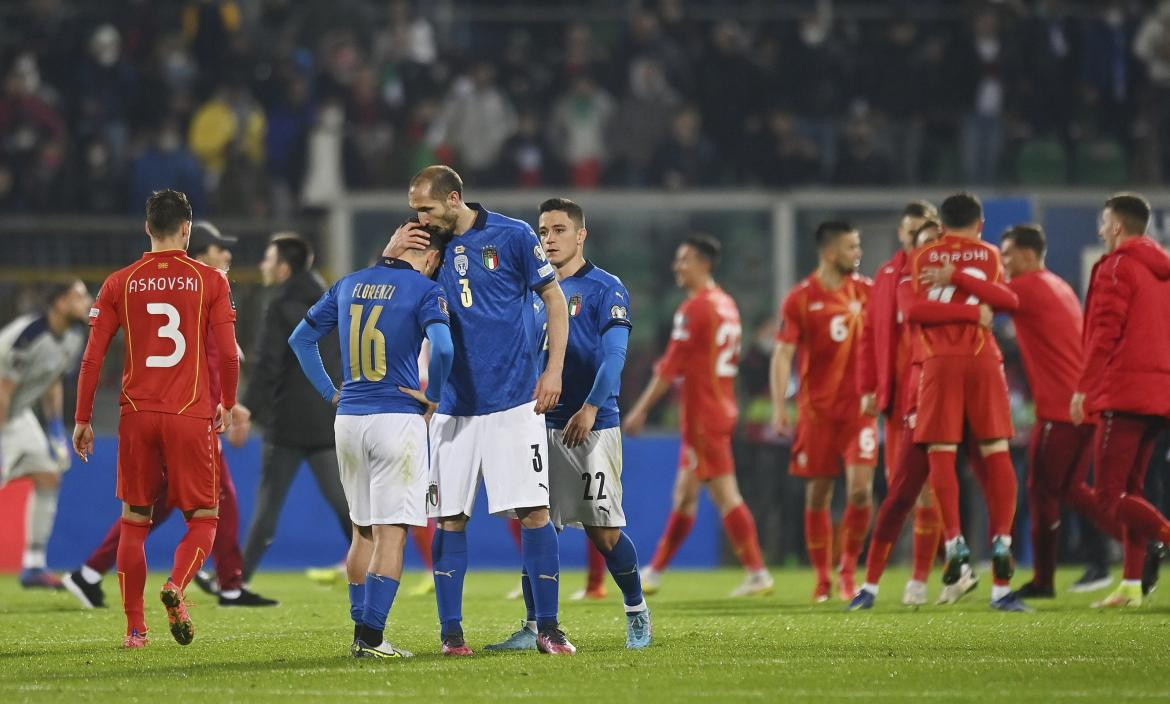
(707, 648)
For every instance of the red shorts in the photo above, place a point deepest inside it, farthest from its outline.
(708, 455)
(822, 444)
(957, 393)
(164, 452)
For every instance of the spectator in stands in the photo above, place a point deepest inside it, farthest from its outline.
(686, 159)
(641, 123)
(107, 87)
(230, 123)
(987, 65)
(525, 160)
(32, 135)
(474, 122)
(326, 162)
(1152, 46)
(860, 162)
(208, 26)
(785, 156)
(166, 163)
(577, 130)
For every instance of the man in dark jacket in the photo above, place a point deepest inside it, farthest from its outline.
(298, 423)
(1126, 378)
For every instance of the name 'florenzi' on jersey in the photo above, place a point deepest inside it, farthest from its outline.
(486, 274)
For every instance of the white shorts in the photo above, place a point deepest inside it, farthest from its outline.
(587, 480)
(24, 448)
(382, 460)
(508, 448)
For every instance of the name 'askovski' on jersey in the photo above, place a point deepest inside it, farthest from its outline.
(163, 283)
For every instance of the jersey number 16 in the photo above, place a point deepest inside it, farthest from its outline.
(367, 345)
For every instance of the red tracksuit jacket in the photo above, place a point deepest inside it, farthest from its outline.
(876, 356)
(1127, 331)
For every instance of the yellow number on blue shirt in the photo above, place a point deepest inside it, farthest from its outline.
(465, 295)
(367, 345)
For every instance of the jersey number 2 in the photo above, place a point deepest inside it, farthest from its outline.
(727, 341)
(169, 331)
(367, 345)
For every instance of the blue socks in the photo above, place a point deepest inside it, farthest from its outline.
(540, 552)
(622, 562)
(529, 602)
(357, 602)
(449, 555)
(380, 592)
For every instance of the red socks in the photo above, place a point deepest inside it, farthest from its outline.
(740, 526)
(423, 537)
(945, 483)
(818, 538)
(595, 577)
(854, 526)
(193, 549)
(927, 533)
(678, 527)
(1001, 493)
(132, 572)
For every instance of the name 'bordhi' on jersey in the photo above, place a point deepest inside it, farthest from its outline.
(488, 273)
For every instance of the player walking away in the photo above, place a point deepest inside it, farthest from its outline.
(209, 247)
(168, 305)
(910, 469)
(297, 422)
(963, 387)
(1049, 328)
(35, 351)
(823, 317)
(584, 440)
(883, 363)
(1123, 383)
(382, 418)
(704, 352)
(488, 421)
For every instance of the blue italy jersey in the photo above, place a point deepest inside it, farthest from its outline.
(488, 274)
(382, 313)
(597, 301)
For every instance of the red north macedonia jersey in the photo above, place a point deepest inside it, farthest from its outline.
(974, 258)
(167, 304)
(704, 351)
(826, 326)
(1049, 326)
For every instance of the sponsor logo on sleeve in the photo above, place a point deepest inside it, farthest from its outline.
(545, 270)
(443, 307)
(538, 252)
(619, 313)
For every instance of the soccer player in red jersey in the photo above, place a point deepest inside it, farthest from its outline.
(1125, 379)
(208, 246)
(823, 317)
(883, 363)
(963, 387)
(704, 353)
(910, 470)
(169, 306)
(1048, 327)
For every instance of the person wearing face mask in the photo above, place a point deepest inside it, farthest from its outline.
(166, 160)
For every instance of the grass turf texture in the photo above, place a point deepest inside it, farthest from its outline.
(706, 648)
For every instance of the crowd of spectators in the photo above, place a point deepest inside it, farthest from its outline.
(267, 107)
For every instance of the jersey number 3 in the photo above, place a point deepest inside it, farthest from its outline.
(169, 331)
(367, 345)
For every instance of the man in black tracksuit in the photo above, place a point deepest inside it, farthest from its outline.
(298, 422)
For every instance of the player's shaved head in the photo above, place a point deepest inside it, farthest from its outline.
(566, 206)
(1132, 211)
(961, 211)
(166, 211)
(439, 181)
(828, 232)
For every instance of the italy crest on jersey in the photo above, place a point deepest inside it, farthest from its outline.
(575, 305)
(491, 258)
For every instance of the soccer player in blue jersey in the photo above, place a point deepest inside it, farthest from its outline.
(488, 422)
(383, 312)
(584, 437)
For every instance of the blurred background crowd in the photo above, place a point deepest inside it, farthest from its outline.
(268, 107)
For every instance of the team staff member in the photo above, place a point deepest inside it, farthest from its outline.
(298, 423)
